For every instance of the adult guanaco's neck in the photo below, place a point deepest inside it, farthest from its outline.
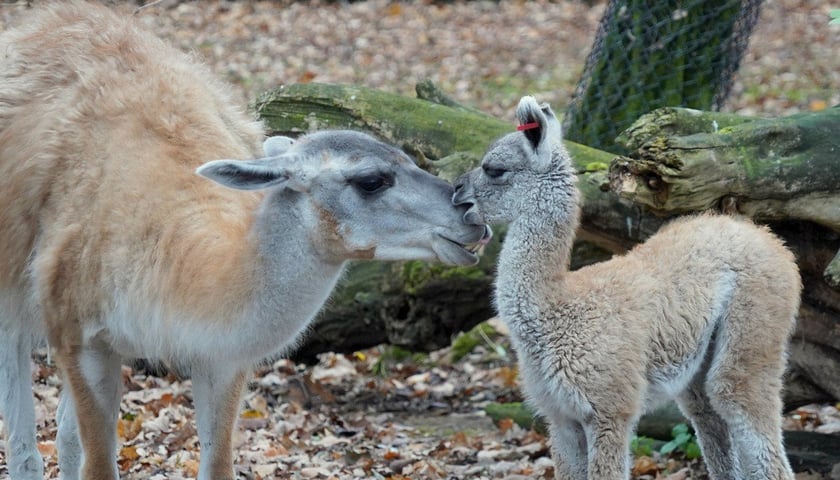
(289, 251)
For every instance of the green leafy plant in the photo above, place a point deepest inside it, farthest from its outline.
(642, 446)
(521, 413)
(480, 334)
(835, 16)
(683, 441)
(393, 355)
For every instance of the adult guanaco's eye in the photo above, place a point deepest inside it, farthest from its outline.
(493, 172)
(370, 184)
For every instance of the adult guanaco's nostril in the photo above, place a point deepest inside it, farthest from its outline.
(460, 197)
(472, 218)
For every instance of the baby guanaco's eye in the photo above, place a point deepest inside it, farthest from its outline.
(493, 172)
(374, 183)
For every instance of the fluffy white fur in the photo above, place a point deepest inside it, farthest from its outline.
(701, 313)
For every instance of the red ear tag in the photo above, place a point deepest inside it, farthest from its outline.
(528, 126)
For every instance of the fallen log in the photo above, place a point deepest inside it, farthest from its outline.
(814, 452)
(769, 169)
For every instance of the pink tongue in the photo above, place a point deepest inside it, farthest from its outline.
(488, 235)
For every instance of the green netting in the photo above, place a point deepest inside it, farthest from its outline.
(649, 54)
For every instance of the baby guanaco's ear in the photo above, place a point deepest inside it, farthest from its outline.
(531, 121)
(541, 127)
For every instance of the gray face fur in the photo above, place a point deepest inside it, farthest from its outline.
(519, 170)
(359, 197)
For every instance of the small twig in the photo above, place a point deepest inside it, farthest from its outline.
(143, 7)
(832, 272)
(500, 350)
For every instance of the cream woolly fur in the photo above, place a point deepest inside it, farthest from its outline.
(112, 246)
(701, 313)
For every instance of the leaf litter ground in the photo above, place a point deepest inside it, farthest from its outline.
(369, 415)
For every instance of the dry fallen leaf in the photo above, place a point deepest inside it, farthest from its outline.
(509, 376)
(129, 453)
(505, 424)
(156, 405)
(394, 9)
(129, 426)
(190, 467)
(251, 414)
(645, 465)
(460, 438)
(275, 451)
(682, 474)
(47, 449)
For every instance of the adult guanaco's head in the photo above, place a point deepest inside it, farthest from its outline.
(359, 198)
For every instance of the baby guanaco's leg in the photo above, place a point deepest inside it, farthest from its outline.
(744, 385)
(712, 431)
(568, 445)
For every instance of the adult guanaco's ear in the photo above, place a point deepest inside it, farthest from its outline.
(274, 146)
(255, 174)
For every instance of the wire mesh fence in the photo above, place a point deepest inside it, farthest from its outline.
(649, 54)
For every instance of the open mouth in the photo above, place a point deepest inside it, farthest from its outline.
(485, 239)
(474, 247)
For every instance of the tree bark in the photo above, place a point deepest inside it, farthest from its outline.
(814, 452)
(654, 54)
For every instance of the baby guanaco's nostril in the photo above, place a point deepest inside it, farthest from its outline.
(462, 201)
(459, 185)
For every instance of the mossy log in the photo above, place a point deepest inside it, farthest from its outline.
(769, 169)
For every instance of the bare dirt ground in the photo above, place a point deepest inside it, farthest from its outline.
(380, 414)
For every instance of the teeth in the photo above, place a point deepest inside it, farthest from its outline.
(473, 248)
